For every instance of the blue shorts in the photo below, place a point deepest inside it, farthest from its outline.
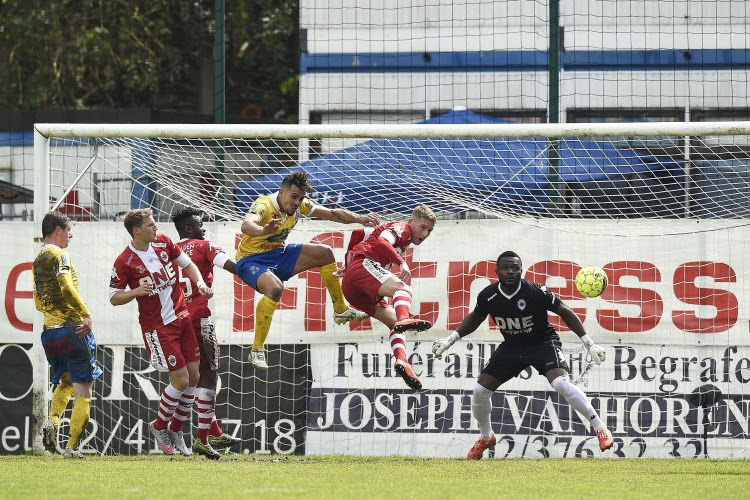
(280, 261)
(67, 352)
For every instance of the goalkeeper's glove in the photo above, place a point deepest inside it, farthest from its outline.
(442, 345)
(597, 353)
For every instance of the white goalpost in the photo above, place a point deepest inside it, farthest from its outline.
(663, 208)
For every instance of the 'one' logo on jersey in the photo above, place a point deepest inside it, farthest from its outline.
(514, 326)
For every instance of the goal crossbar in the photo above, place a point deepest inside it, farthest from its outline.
(212, 131)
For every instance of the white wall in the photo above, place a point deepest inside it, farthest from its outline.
(366, 26)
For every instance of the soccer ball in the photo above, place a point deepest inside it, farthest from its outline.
(591, 281)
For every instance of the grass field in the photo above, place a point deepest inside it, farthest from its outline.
(355, 477)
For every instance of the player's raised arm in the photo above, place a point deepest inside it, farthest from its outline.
(571, 319)
(345, 216)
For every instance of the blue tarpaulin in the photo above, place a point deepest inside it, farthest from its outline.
(455, 174)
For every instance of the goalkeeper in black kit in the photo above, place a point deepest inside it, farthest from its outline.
(519, 309)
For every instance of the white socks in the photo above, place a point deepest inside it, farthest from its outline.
(481, 407)
(578, 400)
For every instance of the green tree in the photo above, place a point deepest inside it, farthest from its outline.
(79, 54)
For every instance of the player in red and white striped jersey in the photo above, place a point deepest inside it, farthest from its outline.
(367, 280)
(145, 271)
(205, 255)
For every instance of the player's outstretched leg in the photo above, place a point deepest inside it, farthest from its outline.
(402, 300)
(413, 324)
(476, 451)
(205, 449)
(341, 312)
(580, 402)
(605, 439)
(348, 315)
(406, 372)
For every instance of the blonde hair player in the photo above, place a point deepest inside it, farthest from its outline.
(368, 279)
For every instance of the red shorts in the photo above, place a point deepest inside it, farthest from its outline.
(172, 346)
(203, 345)
(362, 280)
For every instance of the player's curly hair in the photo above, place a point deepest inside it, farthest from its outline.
(508, 254)
(298, 179)
(183, 216)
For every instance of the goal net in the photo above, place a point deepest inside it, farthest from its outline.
(662, 208)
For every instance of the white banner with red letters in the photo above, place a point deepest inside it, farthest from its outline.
(674, 319)
(681, 289)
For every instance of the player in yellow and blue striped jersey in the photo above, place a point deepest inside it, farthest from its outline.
(67, 336)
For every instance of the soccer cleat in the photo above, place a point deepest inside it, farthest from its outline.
(605, 439)
(162, 437)
(476, 451)
(406, 372)
(205, 449)
(71, 453)
(258, 359)
(349, 315)
(178, 441)
(417, 325)
(223, 441)
(49, 436)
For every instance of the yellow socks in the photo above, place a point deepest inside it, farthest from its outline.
(81, 412)
(60, 399)
(263, 316)
(333, 284)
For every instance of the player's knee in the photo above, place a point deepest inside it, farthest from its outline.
(480, 393)
(180, 379)
(194, 375)
(83, 390)
(405, 288)
(180, 383)
(274, 292)
(326, 255)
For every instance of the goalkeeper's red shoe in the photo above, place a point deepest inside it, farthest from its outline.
(407, 373)
(605, 439)
(476, 451)
(417, 325)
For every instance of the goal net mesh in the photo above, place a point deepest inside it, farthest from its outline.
(665, 216)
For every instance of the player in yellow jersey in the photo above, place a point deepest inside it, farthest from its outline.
(265, 261)
(67, 336)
